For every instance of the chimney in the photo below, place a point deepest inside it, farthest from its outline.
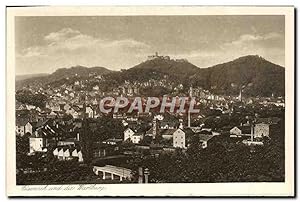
(78, 137)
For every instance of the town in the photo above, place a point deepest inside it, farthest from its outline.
(63, 136)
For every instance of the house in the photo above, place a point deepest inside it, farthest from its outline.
(261, 130)
(68, 153)
(50, 129)
(37, 143)
(235, 132)
(128, 133)
(179, 139)
(136, 138)
(240, 131)
(89, 111)
(76, 153)
(23, 126)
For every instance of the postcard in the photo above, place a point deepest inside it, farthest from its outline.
(150, 101)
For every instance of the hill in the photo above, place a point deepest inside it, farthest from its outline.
(62, 73)
(255, 74)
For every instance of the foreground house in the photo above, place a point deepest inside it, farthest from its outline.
(23, 127)
(179, 139)
(261, 130)
(68, 153)
(37, 143)
(133, 136)
(240, 131)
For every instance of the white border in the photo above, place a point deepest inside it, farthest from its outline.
(200, 189)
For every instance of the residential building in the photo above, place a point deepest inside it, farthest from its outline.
(128, 134)
(23, 126)
(179, 139)
(261, 130)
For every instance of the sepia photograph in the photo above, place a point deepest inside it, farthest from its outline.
(122, 98)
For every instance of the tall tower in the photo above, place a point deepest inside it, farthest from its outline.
(154, 128)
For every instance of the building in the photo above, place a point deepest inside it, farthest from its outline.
(23, 127)
(68, 153)
(89, 111)
(37, 143)
(261, 130)
(131, 135)
(235, 132)
(136, 138)
(240, 131)
(179, 139)
(128, 134)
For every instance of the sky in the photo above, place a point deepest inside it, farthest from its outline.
(45, 44)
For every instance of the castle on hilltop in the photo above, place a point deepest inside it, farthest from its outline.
(156, 56)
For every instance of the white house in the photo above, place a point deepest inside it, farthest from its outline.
(55, 152)
(77, 154)
(128, 133)
(60, 154)
(136, 138)
(36, 144)
(179, 139)
(261, 130)
(23, 127)
(89, 110)
(241, 131)
(65, 154)
(235, 132)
